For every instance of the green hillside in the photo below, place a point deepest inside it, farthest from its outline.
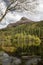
(13, 37)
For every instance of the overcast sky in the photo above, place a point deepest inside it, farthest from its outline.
(16, 16)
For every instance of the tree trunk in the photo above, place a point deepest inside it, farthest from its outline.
(8, 9)
(3, 16)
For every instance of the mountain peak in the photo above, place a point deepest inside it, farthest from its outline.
(23, 20)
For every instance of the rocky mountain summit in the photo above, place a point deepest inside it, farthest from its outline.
(23, 20)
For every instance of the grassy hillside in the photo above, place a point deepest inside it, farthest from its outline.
(9, 36)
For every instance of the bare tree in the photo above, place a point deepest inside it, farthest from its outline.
(28, 5)
(9, 7)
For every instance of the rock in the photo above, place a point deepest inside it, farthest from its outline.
(15, 61)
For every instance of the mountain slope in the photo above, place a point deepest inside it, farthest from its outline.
(23, 20)
(24, 25)
(7, 35)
